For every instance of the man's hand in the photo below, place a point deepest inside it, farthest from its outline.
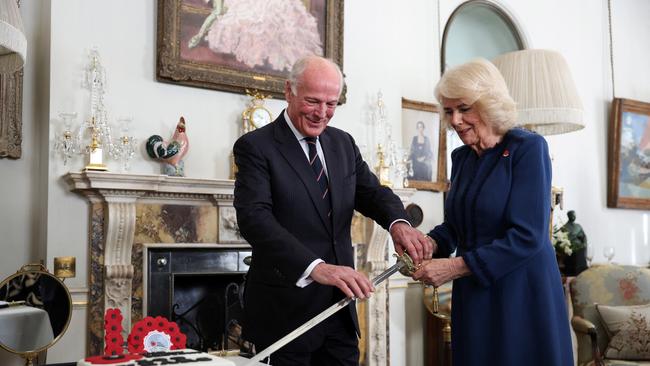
(439, 271)
(411, 240)
(351, 282)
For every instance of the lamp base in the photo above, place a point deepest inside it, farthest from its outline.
(96, 167)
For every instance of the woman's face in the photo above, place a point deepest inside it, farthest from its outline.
(469, 126)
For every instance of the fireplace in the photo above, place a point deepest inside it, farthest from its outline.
(140, 227)
(201, 289)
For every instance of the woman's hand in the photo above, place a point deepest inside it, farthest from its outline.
(439, 271)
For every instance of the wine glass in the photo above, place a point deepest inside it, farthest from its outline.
(609, 253)
(589, 254)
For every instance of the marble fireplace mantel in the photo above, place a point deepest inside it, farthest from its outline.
(114, 280)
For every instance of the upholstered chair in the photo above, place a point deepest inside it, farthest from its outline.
(611, 315)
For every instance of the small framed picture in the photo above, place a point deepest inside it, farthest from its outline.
(228, 228)
(629, 155)
(426, 144)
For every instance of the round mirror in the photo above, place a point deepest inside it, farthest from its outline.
(478, 28)
(35, 310)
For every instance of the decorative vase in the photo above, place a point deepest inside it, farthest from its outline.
(574, 263)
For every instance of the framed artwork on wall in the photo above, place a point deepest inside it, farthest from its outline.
(425, 142)
(234, 45)
(629, 155)
(11, 112)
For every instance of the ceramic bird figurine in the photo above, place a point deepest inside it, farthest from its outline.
(170, 153)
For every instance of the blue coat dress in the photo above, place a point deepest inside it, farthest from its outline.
(511, 309)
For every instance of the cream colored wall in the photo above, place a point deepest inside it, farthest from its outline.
(23, 181)
(387, 47)
(22, 233)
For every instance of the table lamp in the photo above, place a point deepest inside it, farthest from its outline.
(540, 83)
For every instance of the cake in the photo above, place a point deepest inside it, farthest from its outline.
(176, 357)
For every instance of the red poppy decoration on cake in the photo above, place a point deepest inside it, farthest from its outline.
(113, 340)
(155, 333)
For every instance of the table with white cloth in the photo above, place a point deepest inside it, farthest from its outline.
(25, 328)
(241, 361)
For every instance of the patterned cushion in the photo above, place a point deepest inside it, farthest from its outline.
(629, 331)
(612, 285)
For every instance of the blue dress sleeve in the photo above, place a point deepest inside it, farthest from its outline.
(526, 217)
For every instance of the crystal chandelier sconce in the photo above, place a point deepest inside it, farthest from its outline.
(97, 124)
(93, 138)
(388, 162)
(67, 142)
(124, 148)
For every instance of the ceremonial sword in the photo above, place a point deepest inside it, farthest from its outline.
(404, 264)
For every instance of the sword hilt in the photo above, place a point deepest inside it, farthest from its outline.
(408, 266)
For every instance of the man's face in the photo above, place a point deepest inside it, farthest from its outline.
(317, 96)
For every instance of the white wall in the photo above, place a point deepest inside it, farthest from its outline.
(388, 46)
(22, 233)
(23, 183)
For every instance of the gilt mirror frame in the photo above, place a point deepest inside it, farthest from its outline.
(508, 37)
(57, 301)
(508, 20)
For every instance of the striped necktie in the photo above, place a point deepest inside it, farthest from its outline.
(319, 171)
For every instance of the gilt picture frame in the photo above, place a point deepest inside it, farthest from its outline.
(629, 155)
(11, 120)
(214, 44)
(426, 142)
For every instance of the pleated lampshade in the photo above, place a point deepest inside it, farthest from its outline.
(540, 82)
(13, 44)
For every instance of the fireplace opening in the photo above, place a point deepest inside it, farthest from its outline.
(201, 289)
(209, 309)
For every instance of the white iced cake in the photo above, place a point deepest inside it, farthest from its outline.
(176, 357)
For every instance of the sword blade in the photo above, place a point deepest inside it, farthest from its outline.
(320, 317)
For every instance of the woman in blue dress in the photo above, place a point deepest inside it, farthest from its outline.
(508, 304)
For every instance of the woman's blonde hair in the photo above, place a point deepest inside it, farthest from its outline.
(480, 84)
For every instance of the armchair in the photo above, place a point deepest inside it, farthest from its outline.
(616, 287)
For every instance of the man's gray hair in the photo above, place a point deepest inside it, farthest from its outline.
(301, 65)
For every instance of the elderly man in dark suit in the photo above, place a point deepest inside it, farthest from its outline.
(297, 185)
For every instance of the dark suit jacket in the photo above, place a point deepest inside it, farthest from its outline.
(281, 214)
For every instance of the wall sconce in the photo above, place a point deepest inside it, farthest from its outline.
(93, 137)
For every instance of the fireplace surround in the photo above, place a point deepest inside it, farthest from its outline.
(132, 215)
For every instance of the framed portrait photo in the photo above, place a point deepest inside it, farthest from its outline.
(425, 142)
(234, 45)
(629, 155)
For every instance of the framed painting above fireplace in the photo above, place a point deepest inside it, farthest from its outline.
(224, 45)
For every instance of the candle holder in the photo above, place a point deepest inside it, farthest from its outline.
(93, 137)
(67, 142)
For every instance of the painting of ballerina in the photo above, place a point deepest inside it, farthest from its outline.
(629, 171)
(240, 44)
